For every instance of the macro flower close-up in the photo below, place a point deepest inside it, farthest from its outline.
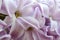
(29, 19)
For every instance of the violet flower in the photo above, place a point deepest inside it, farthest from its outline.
(30, 20)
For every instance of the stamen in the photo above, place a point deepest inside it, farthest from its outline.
(18, 14)
(30, 29)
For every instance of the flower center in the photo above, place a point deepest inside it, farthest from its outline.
(18, 14)
(30, 29)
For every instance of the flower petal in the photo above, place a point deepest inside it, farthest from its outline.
(10, 6)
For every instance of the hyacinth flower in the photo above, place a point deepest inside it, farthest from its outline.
(50, 36)
(31, 22)
(14, 23)
(14, 30)
(54, 12)
(7, 10)
(11, 6)
(25, 22)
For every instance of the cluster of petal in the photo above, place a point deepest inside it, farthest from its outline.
(30, 20)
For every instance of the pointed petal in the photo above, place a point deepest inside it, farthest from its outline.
(58, 28)
(28, 36)
(30, 21)
(16, 31)
(38, 15)
(10, 6)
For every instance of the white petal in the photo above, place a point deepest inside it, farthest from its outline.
(10, 6)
